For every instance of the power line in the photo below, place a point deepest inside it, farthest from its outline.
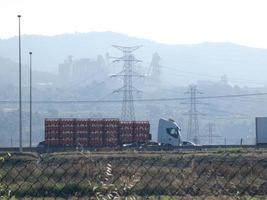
(229, 118)
(233, 95)
(214, 108)
(250, 100)
(136, 100)
(181, 72)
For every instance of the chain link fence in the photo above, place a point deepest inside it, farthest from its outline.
(134, 175)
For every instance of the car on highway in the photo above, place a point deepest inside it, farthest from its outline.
(188, 143)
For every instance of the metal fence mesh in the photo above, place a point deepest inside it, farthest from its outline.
(133, 175)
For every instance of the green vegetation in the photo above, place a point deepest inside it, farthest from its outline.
(104, 175)
(238, 150)
(4, 193)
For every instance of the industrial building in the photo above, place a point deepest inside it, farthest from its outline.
(82, 71)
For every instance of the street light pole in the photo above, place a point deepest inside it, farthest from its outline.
(20, 104)
(30, 99)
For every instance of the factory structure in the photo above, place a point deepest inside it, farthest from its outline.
(82, 71)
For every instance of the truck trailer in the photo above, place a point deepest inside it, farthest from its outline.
(91, 132)
(261, 130)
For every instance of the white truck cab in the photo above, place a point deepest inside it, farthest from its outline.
(169, 132)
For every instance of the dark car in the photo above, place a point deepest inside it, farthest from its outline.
(188, 143)
(130, 145)
(167, 146)
(41, 147)
(41, 144)
(191, 145)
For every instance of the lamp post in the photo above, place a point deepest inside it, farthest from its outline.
(20, 104)
(30, 99)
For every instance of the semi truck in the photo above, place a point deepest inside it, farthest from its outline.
(91, 132)
(95, 133)
(169, 133)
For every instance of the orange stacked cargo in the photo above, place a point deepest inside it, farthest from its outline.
(110, 134)
(81, 137)
(47, 132)
(141, 131)
(96, 132)
(88, 125)
(126, 132)
(52, 137)
(67, 131)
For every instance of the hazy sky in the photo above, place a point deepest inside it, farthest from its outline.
(167, 21)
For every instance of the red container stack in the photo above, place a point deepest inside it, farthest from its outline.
(67, 131)
(126, 132)
(52, 137)
(141, 131)
(110, 132)
(81, 137)
(94, 132)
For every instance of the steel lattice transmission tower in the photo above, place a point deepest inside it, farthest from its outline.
(211, 135)
(127, 73)
(193, 126)
(210, 129)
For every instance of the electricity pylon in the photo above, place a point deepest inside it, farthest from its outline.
(127, 73)
(193, 126)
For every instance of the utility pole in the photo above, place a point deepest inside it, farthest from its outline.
(210, 127)
(127, 73)
(193, 126)
(11, 141)
(30, 53)
(20, 97)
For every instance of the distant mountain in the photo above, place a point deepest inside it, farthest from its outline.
(10, 73)
(182, 64)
